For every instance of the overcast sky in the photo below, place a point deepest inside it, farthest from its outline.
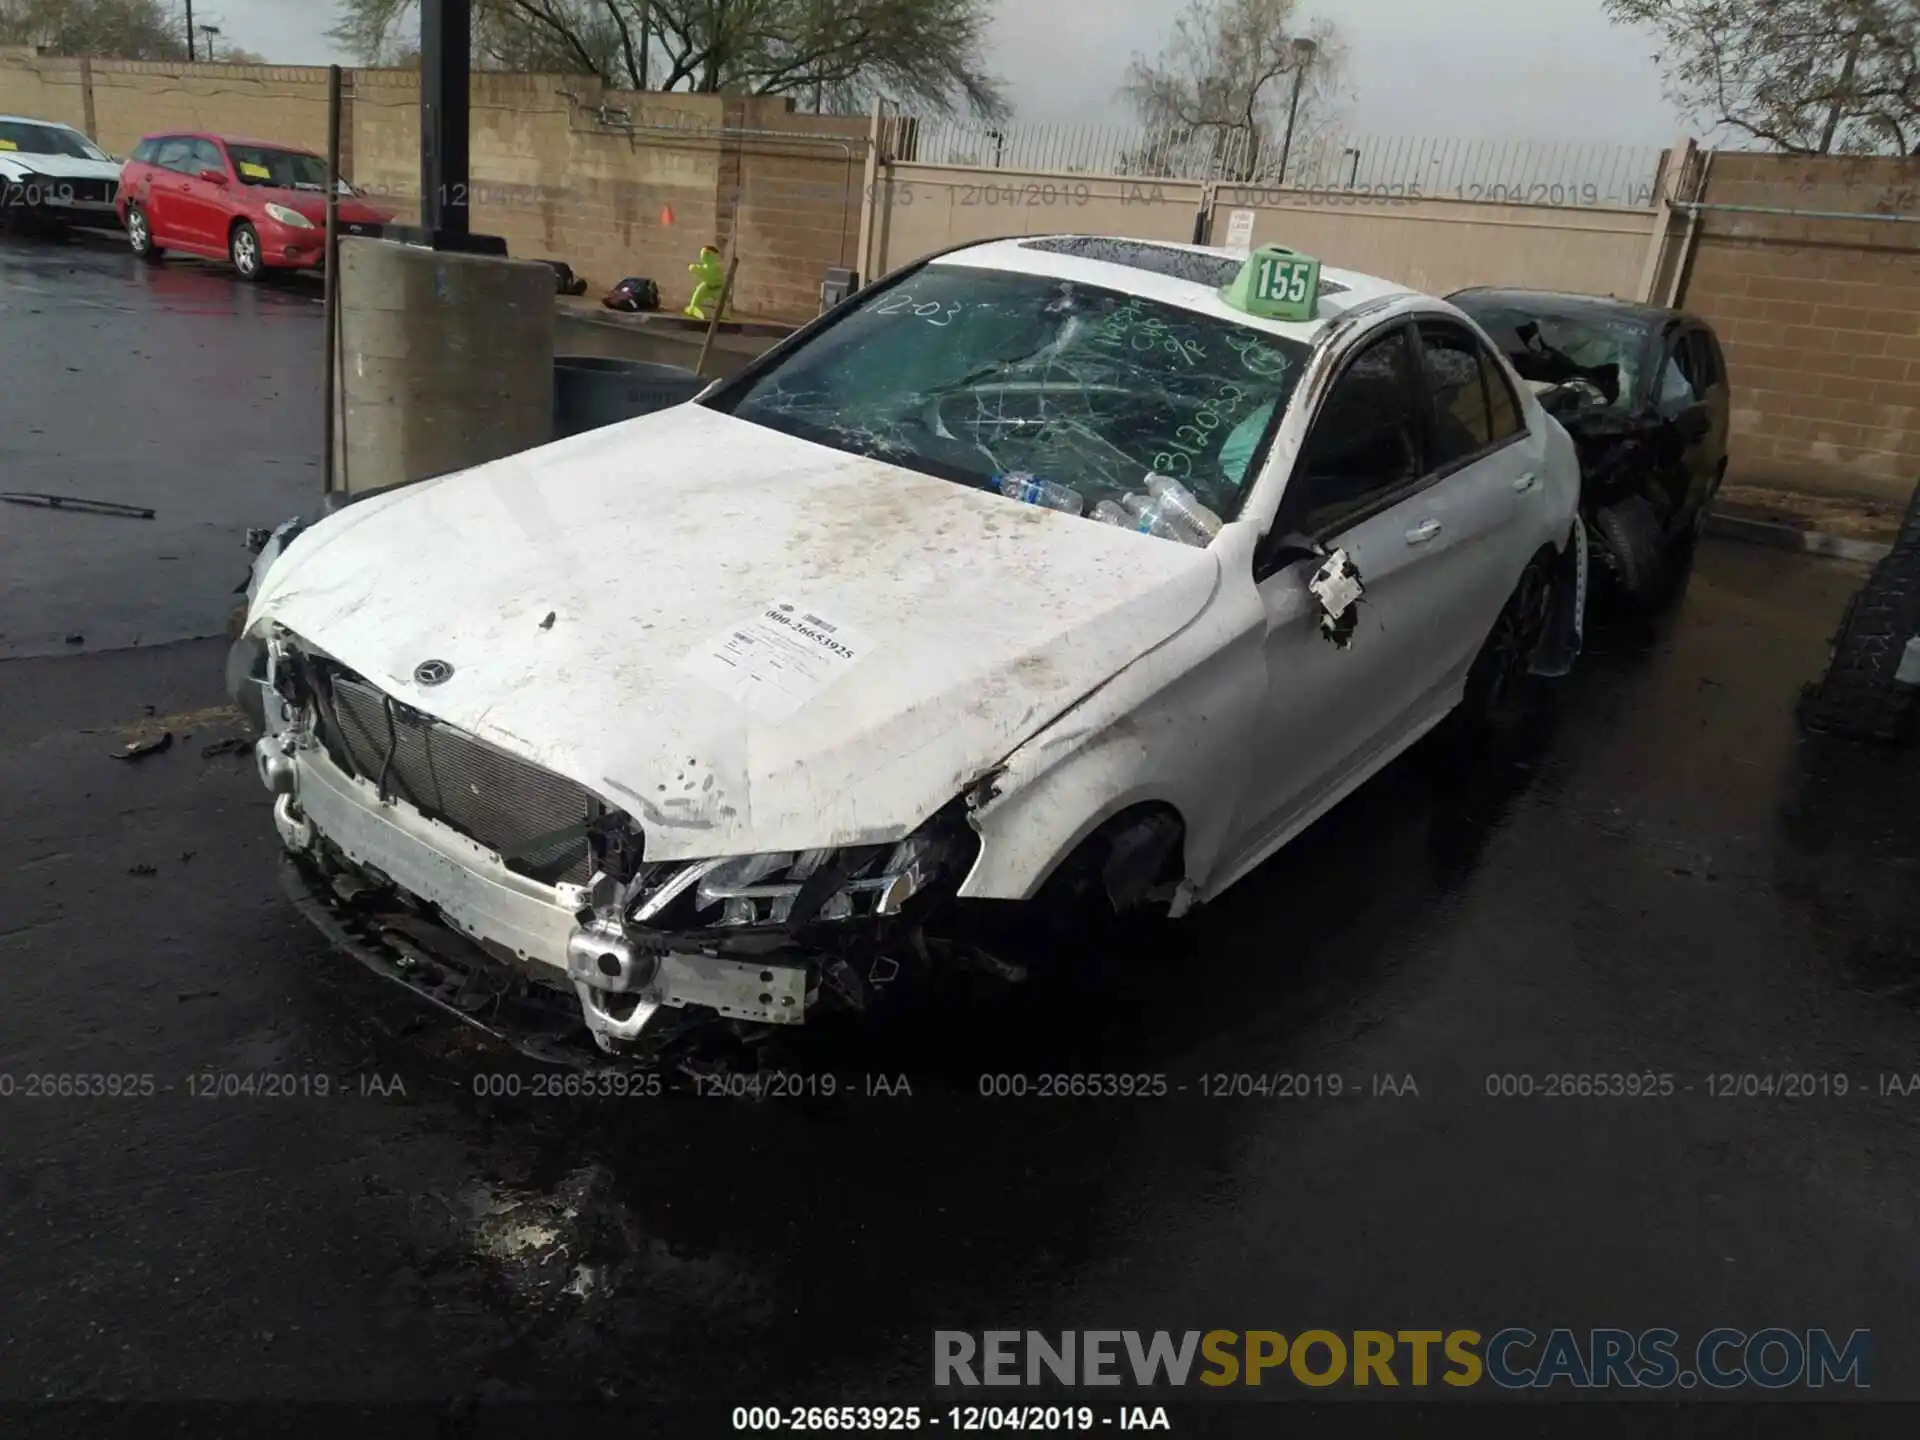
(1505, 69)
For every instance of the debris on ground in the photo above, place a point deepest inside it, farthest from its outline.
(76, 639)
(142, 870)
(75, 502)
(140, 749)
(552, 615)
(235, 746)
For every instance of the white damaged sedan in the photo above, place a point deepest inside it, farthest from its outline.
(1049, 569)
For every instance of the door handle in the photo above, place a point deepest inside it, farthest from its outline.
(1423, 532)
(1524, 483)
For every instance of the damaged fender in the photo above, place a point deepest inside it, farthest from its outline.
(1175, 727)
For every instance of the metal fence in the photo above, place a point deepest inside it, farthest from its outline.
(1514, 172)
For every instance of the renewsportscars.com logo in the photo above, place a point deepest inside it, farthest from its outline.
(1511, 1359)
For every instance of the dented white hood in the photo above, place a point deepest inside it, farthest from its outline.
(60, 167)
(932, 627)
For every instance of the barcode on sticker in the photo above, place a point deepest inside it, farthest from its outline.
(817, 623)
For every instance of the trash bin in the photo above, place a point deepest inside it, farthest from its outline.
(590, 391)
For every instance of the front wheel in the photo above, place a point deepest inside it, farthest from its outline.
(244, 250)
(140, 236)
(1633, 553)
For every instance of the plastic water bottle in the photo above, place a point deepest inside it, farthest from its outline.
(1175, 499)
(1158, 519)
(1024, 485)
(1152, 517)
(1108, 513)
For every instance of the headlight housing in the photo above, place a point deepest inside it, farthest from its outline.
(286, 215)
(790, 888)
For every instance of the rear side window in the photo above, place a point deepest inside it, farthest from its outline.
(1457, 393)
(174, 153)
(1503, 406)
(207, 156)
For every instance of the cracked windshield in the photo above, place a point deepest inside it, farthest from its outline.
(1604, 351)
(1063, 394)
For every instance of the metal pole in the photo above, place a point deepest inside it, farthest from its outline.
(713, 324)
(191, 57)
(1293, 109)
(446, 52)
(331, 275)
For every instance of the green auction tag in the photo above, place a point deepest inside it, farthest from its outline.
(1276, 284)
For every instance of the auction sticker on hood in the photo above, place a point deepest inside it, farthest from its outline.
(779, 659)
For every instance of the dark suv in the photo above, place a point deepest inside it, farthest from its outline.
(1643, 392)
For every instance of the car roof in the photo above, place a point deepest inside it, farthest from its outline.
(49, 124)
(1563, 302)
(227, 140)
(1189, 276)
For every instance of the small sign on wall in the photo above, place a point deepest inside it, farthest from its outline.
(1240, 231)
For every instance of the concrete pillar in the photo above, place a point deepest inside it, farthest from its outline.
(446, 361)
(1674, 171)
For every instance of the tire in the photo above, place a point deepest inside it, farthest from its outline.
(1627, 535)
(1858, 696)
(1907, 542)
(243, 249)
(140, 236)
(1501, 691)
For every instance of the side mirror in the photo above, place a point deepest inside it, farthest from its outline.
(1277, 552)
(214, 177)
(1693, 424)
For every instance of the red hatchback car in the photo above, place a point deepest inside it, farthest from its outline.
(258, 205)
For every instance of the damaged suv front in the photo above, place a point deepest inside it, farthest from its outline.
(524, 904)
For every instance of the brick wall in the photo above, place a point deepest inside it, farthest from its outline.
(797, 211)
(1820, 319)
(613, 183)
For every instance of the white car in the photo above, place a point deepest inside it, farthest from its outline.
(732, 711)
(52, 172)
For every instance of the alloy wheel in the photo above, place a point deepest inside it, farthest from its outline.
(1516, 635)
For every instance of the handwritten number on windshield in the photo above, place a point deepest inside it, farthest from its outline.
(930, 311)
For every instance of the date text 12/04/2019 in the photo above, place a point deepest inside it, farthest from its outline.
(962, 1419)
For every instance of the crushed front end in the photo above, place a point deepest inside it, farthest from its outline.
(519, 901)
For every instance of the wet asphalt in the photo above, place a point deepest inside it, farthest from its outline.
(1668, 879)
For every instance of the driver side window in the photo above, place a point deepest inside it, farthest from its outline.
(1364, 444)
(1676, 385)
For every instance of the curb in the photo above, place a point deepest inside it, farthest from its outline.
(1805, 542)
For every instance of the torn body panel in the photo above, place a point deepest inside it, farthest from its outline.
(1176, 728)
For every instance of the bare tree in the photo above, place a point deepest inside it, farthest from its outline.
(1228, 80)
(1809, 76)
(123, 29)
(923, 51)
